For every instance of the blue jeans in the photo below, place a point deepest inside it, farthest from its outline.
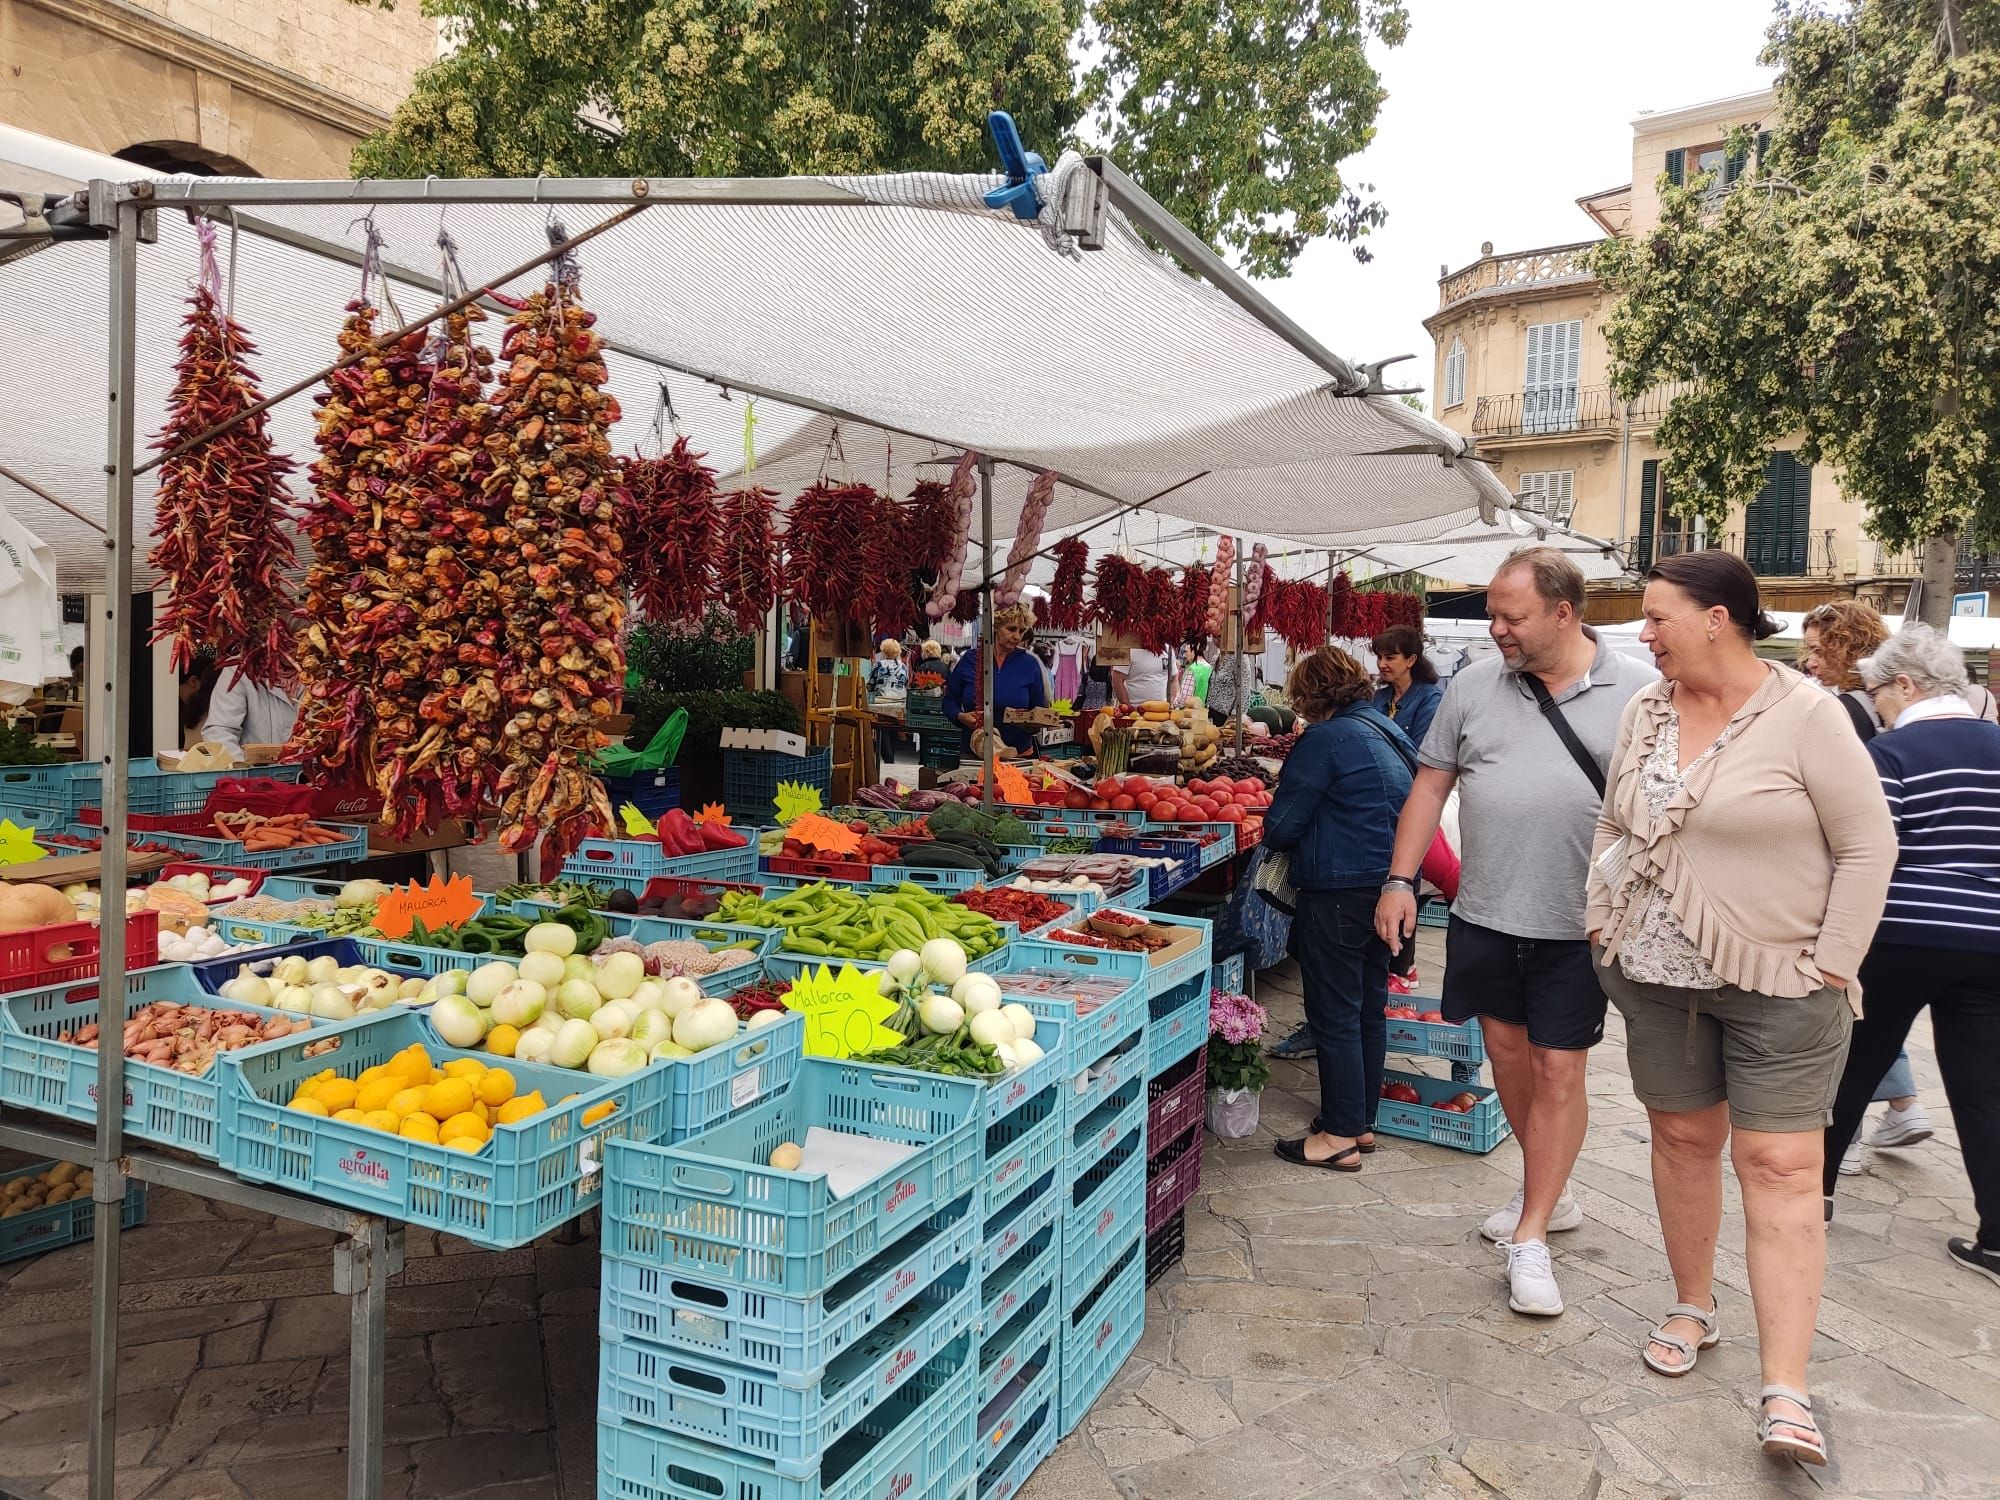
(1899, 1082)
(1345, 971)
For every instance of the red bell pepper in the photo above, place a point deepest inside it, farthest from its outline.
(678, 834)
(719, 836)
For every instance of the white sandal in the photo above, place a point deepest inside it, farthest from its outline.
(1804, 1443)
(1710, 1320)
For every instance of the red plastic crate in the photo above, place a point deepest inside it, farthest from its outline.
(674, 887)
(28, 959)
(1175, 1099)
(818, 869)
(201, 825)
(217, 874)
(1172, 1179)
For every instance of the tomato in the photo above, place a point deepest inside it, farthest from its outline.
(1206, 806)
(1168, 812)
(1108, 786)
(1248, 784)
(1077, 801)
(1147, 801)
(1123, 804)
(1230, 814)
(1098, 804)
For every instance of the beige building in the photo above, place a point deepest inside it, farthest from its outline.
(268, 88)
(1522, 367)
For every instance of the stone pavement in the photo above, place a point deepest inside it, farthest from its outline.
(1327, 1336)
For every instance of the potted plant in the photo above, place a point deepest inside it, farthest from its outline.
(1237, 1071)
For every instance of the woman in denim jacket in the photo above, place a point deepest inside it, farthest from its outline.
(1335, 814)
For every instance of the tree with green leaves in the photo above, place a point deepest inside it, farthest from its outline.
(1236, 116)
(1846, 286)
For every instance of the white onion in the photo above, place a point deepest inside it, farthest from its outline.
(458, 1022)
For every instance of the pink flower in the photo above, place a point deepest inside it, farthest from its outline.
(1235, 1018)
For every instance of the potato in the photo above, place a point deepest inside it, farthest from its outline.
(62, 1192)
(63, 1171)
(83, 1182)
(12, 1209)
(15, 1188)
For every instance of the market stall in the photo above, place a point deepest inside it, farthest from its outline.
(1011, 1209)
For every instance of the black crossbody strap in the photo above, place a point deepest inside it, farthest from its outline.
(1552, 711)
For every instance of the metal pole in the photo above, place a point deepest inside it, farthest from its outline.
(107, 1191)
(991, 647)
(1242, 630)
(362, 1266)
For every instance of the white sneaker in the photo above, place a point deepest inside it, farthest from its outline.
(1531, 1280)
(1501, 1226)
(1851, 1163)
(1901, 1127)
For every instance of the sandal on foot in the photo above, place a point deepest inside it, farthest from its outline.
(1789, 1437)
(1341, 1161)
(1711, 1334)
(1367, 1148)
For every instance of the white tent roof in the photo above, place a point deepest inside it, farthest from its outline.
(897, 301)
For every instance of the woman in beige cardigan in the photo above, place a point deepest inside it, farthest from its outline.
(1741, 863)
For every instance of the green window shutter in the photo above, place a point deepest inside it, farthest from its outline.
(1677, 164)
(1649, 489)
(1733, 165)
(1775, 524)
(1763, 147)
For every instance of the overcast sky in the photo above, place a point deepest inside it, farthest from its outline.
(1499, 117)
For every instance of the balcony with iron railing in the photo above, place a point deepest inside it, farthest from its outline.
(1797, 554)
(1546, 411)
(1897, 562)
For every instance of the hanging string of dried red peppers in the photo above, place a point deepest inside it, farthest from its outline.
(672, 528)
(1067, 608)
(746, 556)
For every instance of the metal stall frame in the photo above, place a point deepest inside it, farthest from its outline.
(371, 1249)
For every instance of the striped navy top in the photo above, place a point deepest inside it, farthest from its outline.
(1942, 779)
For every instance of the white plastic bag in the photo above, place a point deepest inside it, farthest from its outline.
(1232, 1113)
(31, 649)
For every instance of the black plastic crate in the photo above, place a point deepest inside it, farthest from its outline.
(1165, 1246)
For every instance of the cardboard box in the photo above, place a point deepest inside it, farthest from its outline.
(764, 739)
(1179, 940)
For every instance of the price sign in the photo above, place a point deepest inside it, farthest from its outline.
(795, 800)
(713, 813)
(442, 903)
(843, 1012)
(823, 834)
(637, 824)
(1011, 784)
(17, 845)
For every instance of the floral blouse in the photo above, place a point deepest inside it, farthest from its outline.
(1657, 950)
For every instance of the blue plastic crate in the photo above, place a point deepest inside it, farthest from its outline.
(1016, 1229)
(916, 1443)
(263, 934)
(1021, 1149)
(1183, 858)
(40, 1230)
(1033, 1441)
(1092, 1033)
(792, 1338)
(1107, 1211)
(1095, 1136)
(713, 935)
(779, 867)
(212, 976)
(1008, 1290)
(1046, 953)
(750, 779)
(523, 1182)
(1101, 1333)
(1433, 912)
(709, 1207)
(50, 795)
(309, 857)
(1228, 974)
(54, 1078)
(1455, 1042)
(1179, 1023)
(785, 965)
(652, 792)
(788, 1427)
(1013, 1090)
(1213, 853)
(1036, 1359)
(1087, 1084)
(1480, 1131)
(1009, 1346)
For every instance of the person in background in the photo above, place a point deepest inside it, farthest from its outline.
(1142, 680)
(888, 677)
(1199, 671)
(1524, 736)
(1334, 813)
(1017, 682)
(1228, 694)
(1733, 980)
(1939, 941)
(1836, 635)
(1409, 695)
(242, 712)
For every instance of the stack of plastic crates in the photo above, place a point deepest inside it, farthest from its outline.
(1176, 1081)
(750, 780)
(1099, 1290)
(763, 1339)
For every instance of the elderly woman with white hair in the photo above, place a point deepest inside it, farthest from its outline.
(1938, 944)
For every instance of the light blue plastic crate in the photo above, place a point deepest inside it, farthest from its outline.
(1101, 1333)
(41, 1230)
(231, 852)
(916, 1443)
(523, 1182)
(1107, 1211)
(51, 795)
(1021, 1149)
(1037, 1375)
(1480, 1131)
(1228, 974)
(790, 1428)
(1008, 1290)
(772, 867)
(1433, 912)
(758, 940)
(1008, 1345)
(149, 789)
(1179, 1023)
(1459, 1043)
(794, 1339)
(38, 1072)
(1099, 1133)
(785, 965)
(1086, 1085)
(711, 1208)
(1017, 1228)
(1089, 1035)
(630, 863)
(263, 934)
(1013, 1090)
(1033, 1441)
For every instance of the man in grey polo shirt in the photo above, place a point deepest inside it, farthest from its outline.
(1516, 954)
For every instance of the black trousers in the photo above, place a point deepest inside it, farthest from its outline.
(1345, 973)
(1962, 990)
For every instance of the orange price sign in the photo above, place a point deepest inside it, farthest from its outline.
(442, 903)
(823, 834)
(713, 813)
(1011, 784)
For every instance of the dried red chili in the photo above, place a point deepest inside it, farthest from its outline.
(746, 557)
(826, 531)
(671, 530)
(1067, 608)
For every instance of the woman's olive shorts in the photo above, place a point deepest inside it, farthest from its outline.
(1776, 1060)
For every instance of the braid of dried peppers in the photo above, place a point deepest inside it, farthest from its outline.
(746, 556)
(671, 531)
(1068, 609)
(827, 531)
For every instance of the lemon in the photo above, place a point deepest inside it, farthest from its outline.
(368, 1075)
(419, 1128)
(382, 1120)
(520, 1108)
(484, 1110)
(502, 1040)
(412, 1065)
(336, 1094)
(466, 1124)
(464, 1067)
(496, 1087)
(452, 1097)
(305, 1104)
(468, 1144)
(351, 1116)
(408, 1101)
(377, 1092)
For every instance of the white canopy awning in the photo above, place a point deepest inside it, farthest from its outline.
(899, 302)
